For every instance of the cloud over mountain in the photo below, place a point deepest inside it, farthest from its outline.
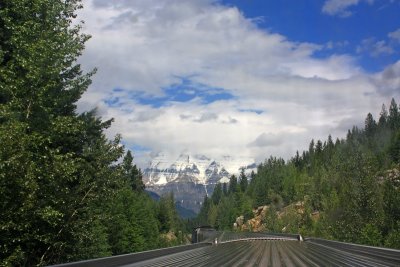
(189, 75)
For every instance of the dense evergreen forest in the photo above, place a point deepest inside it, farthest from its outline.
(346, 190)
(66, 192)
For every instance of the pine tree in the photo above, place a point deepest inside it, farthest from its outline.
(297, 160)
(318, 147)
(233, 184)
(394, 115)
(168, 216)
(59, 165)
(225, 189)
(370, 125)
(132, 173)
(217, 194)
(329, 144)
(311, 147)
(383, 118)
(243, 182)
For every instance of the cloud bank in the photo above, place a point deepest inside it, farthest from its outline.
(199, 76)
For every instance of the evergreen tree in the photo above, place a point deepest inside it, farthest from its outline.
(329, 144)
(394, 115)
(225, 188)
(394, 148)
(318, 147)
(58, 171)
(352, 185)
(383, 116)
(233, 184)
(217, 194)
(57, 163)
(243, 182)
(132, 173)
(202, 217)
(311, 147)
(370, 125)
(167, 214)
(297, 160)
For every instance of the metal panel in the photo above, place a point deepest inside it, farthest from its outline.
(256, 249)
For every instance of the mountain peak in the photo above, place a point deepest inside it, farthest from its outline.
(191, 176)
(198, 168)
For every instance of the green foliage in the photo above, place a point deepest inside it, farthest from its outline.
(132, 173)
(61, 183)
(171, 226)
(392, 240)
(227, 213)
(271, 221)
(133, 224)
(345, 190)
(233, 184)
(371, 235)
(243, 182)
(217, 194)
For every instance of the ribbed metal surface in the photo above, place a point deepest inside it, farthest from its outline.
(254, 249)
(238, 236)
(270, 253)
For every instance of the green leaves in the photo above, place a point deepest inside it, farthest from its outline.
(60, 177)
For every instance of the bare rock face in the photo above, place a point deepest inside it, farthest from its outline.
(255, 224)
(239, 222)
(393, 176)
(258, 222)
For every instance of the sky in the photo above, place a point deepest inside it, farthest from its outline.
(240, 78)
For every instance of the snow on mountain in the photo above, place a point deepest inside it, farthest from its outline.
(199, 169)
(191, 177)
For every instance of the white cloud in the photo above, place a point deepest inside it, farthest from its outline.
(395, 35)
(266, 140)
(145, 45)
(341, 7)
(375, 48)
(388, 81)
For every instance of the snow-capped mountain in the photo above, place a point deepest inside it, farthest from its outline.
(190, 178)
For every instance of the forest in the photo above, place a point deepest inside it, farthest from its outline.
(347, 189)
(67, 192)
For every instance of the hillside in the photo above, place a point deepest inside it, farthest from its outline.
(347, 189)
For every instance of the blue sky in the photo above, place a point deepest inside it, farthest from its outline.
(303, 21)
(248, 79)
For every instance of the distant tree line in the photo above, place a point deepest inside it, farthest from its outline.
(65, 193)
(352, 184)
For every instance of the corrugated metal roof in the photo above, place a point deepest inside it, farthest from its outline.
(255, 249)
(269, 253)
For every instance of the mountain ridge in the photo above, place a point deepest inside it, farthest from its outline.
(191, 178)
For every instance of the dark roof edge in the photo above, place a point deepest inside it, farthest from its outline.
(132, 257)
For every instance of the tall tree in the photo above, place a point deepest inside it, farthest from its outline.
(370, 125)
(394, 115)
(383, 116)
(132, 173)
(243, 182)
(168, 216)
(217, 194)
(56, 167)
(233, 184)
